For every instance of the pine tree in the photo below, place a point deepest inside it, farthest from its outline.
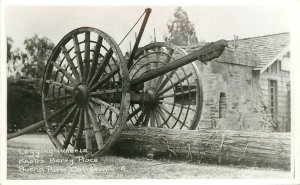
(181, 30)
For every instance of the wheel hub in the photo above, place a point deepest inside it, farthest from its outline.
(81, 94)
(151, 95)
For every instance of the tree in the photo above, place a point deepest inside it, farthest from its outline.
(14, 60)
(10, 42)
(181, 30)
(38, 50)
(25, 70)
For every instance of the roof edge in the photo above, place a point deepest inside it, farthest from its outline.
(286, 49)
(247, 38)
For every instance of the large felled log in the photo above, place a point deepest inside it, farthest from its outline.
(223, 147)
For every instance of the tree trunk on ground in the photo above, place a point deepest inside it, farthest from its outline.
(209, 146)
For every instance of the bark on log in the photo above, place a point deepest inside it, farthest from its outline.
(217, 146)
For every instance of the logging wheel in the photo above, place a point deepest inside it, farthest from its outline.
(85, 92)
(174, 100)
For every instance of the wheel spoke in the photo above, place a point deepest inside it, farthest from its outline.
(162, 115)
(78, 55)
(157, 118)
(178, 105)
(86, 56)
(101, 69)
(152, 118)
(110, 116)
(110, 107)
(64, 122)
(148, 68)
(175, 84)
(135, 112)
(65, 73)
(156, 66)
(95, 57)
(165, 81)
(88, 132)
(96, 127)
(103, 80)
(166, 110)
(159, 81)
(60, 85)
(57, 98)
(100, 114)
(140, 119)
(147, 117)
(169, 56)
(56, 113)
(177, 94)
(153, 83)
(70, 62)
(79, 130)
(72, 129)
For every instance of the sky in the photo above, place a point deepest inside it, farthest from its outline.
(211, 22)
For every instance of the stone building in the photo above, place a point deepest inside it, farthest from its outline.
(248, 87)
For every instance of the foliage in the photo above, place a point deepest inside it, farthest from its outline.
(23, 103)
(31, 62)
(14, 59)
(25, 71)
(38, 50)
(181, 30)
(9, 48)
(267, 118)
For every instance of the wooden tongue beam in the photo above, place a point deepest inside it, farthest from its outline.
(204, 54)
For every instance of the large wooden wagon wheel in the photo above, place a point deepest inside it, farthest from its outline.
(175, 97)
(85, 95)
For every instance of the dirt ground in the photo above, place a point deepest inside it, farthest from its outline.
(34, 157)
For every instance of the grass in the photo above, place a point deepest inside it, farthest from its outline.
(113, 167)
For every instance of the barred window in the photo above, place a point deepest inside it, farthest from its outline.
(273, 98)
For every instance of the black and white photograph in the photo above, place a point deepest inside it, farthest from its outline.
(149, 92)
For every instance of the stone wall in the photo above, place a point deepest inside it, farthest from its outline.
(232, 93)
